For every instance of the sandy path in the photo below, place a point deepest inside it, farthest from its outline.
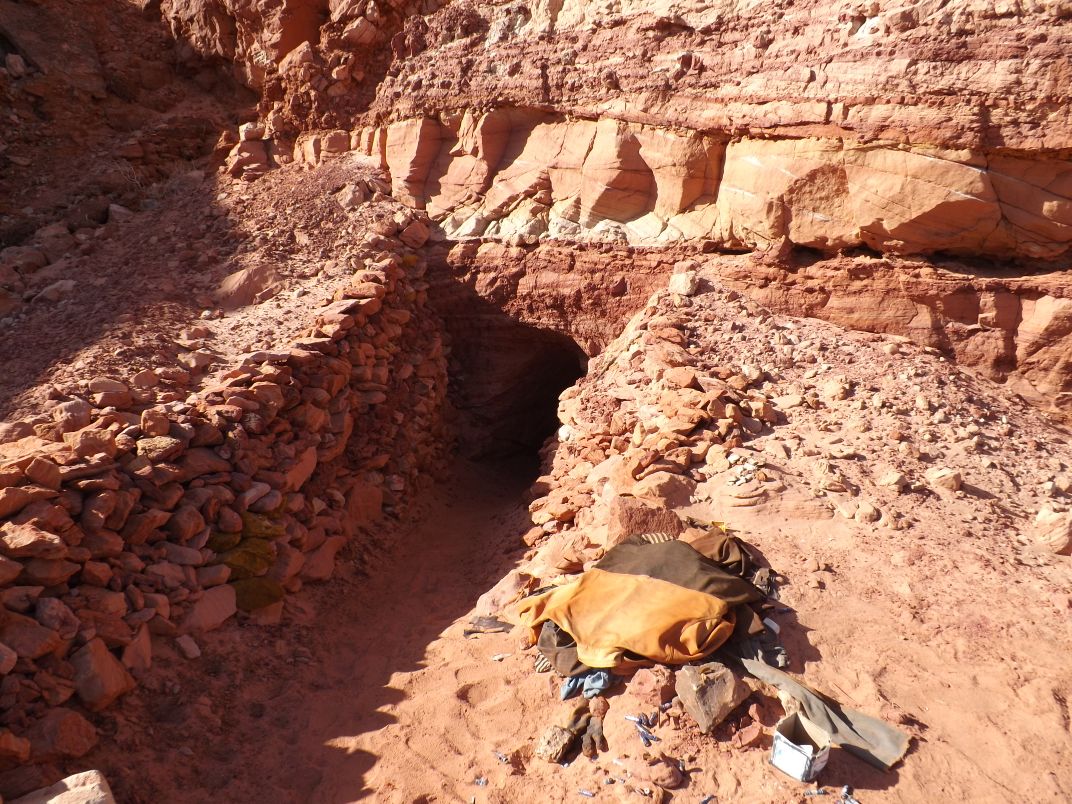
(394, 676)
(369, 679)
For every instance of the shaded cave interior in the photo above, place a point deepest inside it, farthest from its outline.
(505, 380)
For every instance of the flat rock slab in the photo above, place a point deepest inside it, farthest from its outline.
(89, 787)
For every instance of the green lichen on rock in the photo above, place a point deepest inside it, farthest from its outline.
(258, 526)
(251, 558)
(256, 593)
(220, 542)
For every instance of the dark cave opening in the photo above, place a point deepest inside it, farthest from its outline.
(505, 385)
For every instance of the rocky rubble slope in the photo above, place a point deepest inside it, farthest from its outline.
(891, 492)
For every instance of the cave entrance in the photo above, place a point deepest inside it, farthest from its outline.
(505, 383)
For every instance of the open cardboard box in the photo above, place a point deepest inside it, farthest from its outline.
(801, 748)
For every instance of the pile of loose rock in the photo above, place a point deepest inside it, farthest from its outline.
(685, 411)
(138, 511)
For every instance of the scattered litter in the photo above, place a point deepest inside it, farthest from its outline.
(864, 736)
(659, 589)
(646, 736)
(498, 657)
(481, 781)
(801, 748)
(499, 755)
(486, 625)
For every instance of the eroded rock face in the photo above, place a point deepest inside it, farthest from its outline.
(911, 130)
(522, 174)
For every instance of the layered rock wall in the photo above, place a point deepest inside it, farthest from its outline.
(919, 128)
(522, 173)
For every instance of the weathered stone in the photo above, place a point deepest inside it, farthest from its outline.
(138, 655)
(301, 471)
(416, 234)
(114, 631)
(320, 563)
(555, 744)
(867, 513)
(12, 500)
(14, 749)
(184, 523)
(96, 573)
(188, 646)
(259, 526)
(8, 657)
(104, 600)
(200, 461)
(222, 542)
(628, 516)
(183, 556)
(216, 606)
(252, 557)
(99, 677)
(650, 771)
(47, 572)
(159, 448)
(244, 287)
(160, 603)
(288, 563)
(257, 593)
(109, 393)
(28, 541)
(29, 639)
(53, 613)
(43, 472)
(103, 544)
(674, 489)
(944, 478)
(653, 685)
(213, 576)
(61, 734)
(684, 283)
(1052, 530)
(21, 598)
(89, 787)
(86, 443)
(252, 494)
(350, 197)
(709, 692)
(73, 414)
(9, 570)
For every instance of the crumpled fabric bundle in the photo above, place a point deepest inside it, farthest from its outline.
(642, 603)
